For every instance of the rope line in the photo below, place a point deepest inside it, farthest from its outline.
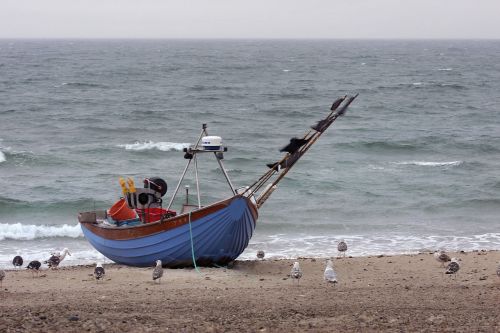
(192, 244)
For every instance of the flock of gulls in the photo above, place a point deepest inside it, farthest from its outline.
(296, 273)
(34, 265)
(329, 275)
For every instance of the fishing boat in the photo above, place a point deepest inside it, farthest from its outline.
(137, 230)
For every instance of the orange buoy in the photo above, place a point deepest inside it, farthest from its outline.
(120, 212)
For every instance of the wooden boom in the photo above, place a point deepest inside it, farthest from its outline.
(295, 150)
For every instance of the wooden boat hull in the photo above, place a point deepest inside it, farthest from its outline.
(214, 235)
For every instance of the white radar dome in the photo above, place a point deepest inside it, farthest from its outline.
(211, 142)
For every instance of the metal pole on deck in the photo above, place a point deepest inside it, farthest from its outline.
(196, 178)
(204, 126)
(225, 173)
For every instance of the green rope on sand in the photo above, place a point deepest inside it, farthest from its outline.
(192, 244)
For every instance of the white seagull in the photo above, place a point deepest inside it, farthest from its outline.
(329, 275)
(453, 267)
(342, 247)
(260, 254)
(56, 258)
(99, 272)
(498, 269)
(158, 271)
(441, 257)
(296, 272)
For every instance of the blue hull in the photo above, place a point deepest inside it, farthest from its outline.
(214, 239)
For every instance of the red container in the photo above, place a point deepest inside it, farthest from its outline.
(120, 212)
(149, 215)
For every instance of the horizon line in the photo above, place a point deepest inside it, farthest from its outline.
(264, 38)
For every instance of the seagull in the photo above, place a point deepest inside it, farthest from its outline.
(442, 257)
(330, 276)
(56, 258)
(17, 261)
(158, 271)
(498, 269)
(260, 254)
(296, 272)
(2, 275)
(34, 266)
(99, 272)
(342, 247)
(453, 267)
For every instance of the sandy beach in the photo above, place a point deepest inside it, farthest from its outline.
(405, 293)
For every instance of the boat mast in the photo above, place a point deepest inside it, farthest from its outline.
(186, 168)
(191, 154)
(196, 179)
(218, 157)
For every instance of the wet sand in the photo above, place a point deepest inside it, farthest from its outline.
(407, 293)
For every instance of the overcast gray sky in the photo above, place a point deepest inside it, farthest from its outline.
(250, 19)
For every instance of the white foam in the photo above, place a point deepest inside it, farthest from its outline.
(18, 231)
(431, 164)
(2, 157)
(81, 254)
(417, 83)
(149, 145)
(445, 69)
(304, 245)
(376, 167)
(286, 70)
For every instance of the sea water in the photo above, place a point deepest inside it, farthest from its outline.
(413, 166)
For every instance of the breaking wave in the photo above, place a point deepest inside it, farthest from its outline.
(2, 157)
(149, 145)
(431, 164)
(18, 231)
(283, 246)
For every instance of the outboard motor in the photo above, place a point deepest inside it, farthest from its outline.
(149, 196)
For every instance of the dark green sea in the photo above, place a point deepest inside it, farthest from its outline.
(414, 164)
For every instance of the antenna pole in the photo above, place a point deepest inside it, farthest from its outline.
(185, 169)
(196, 178)
(225, 173)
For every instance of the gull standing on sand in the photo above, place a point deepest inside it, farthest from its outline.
(453, 267)
(442, 257)
(17, 261)
(260, 254)
(498, 269)
(34, 266)
(99, 272)
(56, 258)
(329, 275)
(158, 271)
(296, 272)
(342, 247)
(2, 275)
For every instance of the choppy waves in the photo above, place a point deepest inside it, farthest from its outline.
(18, 231)
(10, 205)
(150, 145)
(2, 157)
